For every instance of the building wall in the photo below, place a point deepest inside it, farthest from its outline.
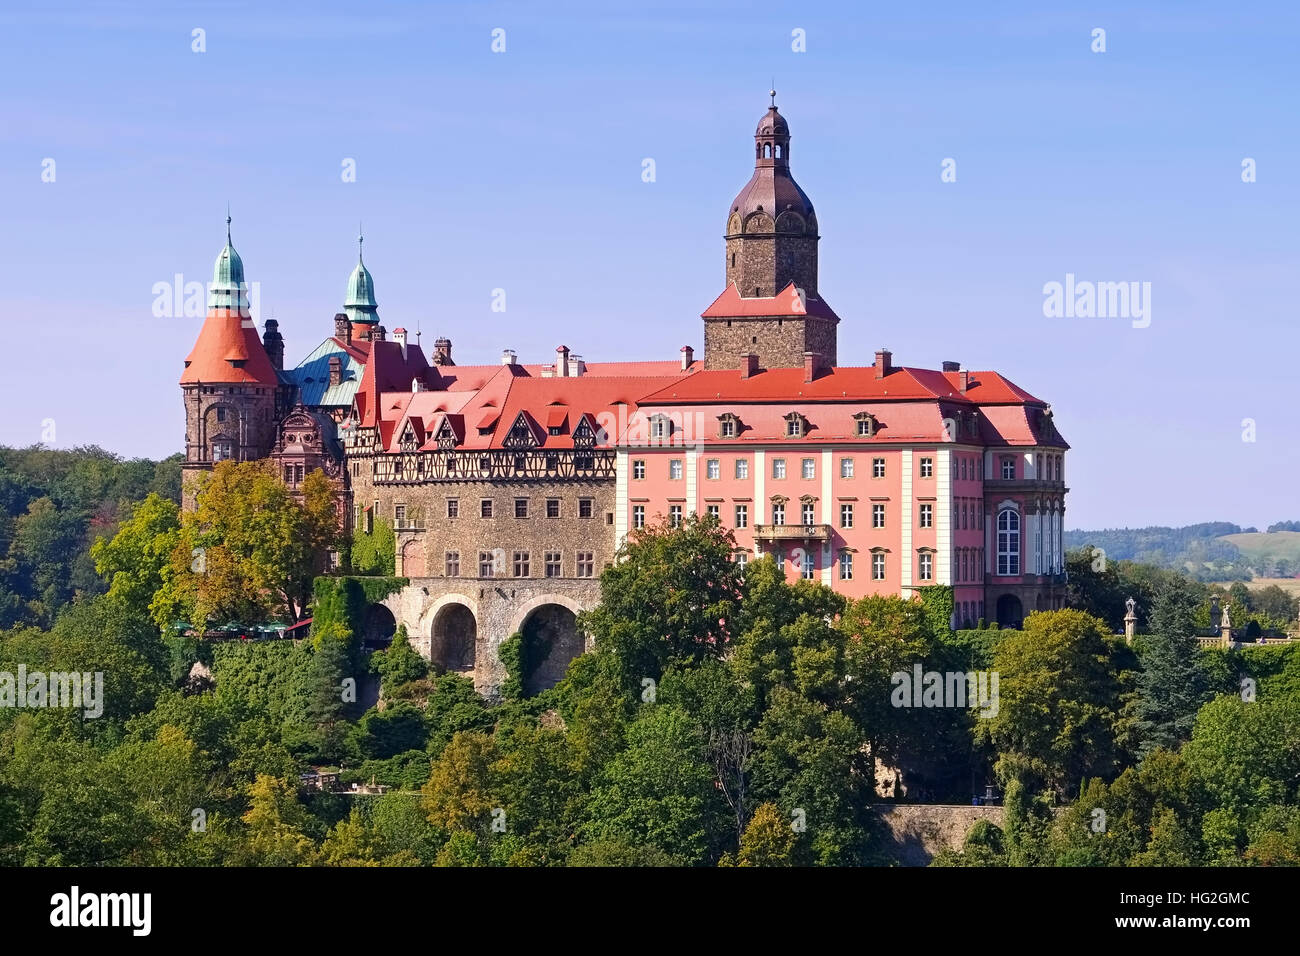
(778, 342)
(762, 265)
(426, 530)
(500, 609)
(244, 414)
(1037, 496)
(759, 491)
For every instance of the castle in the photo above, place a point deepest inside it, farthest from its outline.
(509, 487)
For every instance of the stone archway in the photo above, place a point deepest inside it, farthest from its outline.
(452, 646)
(1010, 611)
(379, 626)
(551, 640)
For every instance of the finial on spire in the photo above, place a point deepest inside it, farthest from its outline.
(227, 222)
(360, 239)
(772, 93)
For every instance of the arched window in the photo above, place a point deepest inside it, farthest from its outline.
(778, 151)
(767, 150)
(1008, 542)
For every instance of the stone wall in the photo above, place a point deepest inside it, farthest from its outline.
(468, 534)
(763, 265)
(920, 831)
(778, 342)
(500, 608)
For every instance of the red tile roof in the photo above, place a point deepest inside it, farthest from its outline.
(228, 350)
(786, 303)
(484, 402)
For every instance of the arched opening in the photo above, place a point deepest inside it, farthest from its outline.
(1010, 611)
(767, 150)
(778, 151)
(413, 560)
(455, 634)
(380, 626)
(1008, 543)
(551, 640)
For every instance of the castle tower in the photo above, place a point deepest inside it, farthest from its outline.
(771, 306)
(229, 382)
(360, 306)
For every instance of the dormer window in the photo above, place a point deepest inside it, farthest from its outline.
(796, 426)
(583, 436)
(728, 426)
(661, 426)
(521, 433)
(446, 435)
(866, 424)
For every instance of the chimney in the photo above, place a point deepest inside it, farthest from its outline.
(273, 342)
(336, 370)
(378, 333)
(342, 328)
(507, 356)
(952, 366)
(442, 351)
(562, 361)
(748, 365)
(965, 381)
(688, 356)
(577, 366)
(399, 336)
(812, 366)
(884, 364)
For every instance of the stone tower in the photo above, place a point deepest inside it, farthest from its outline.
(229, 383)
(771, 254)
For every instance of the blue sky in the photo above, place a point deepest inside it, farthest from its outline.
(522, 171)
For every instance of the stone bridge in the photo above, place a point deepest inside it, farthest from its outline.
(458, 624)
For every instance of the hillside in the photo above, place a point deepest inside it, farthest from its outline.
(1211, 551)
(1268, 549)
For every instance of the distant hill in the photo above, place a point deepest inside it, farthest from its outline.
(1277, 550)
(1212, 551)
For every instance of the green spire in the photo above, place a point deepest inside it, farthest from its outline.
(360, 304)
(228, 289)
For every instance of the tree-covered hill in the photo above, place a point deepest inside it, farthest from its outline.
(54, 504)
(1211, 551)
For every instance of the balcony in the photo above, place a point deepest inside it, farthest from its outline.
(792, 532)
(1024, 484)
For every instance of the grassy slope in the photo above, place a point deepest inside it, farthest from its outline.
(1259, 546)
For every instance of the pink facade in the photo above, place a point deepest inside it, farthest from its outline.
(861, 493)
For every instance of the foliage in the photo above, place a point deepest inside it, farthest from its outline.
(249, 551)
(374, 551)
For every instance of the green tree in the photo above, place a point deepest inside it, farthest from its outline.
(1058, 701)
(250, 549)
(769, 840)
(669, 597)
(659, 791)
